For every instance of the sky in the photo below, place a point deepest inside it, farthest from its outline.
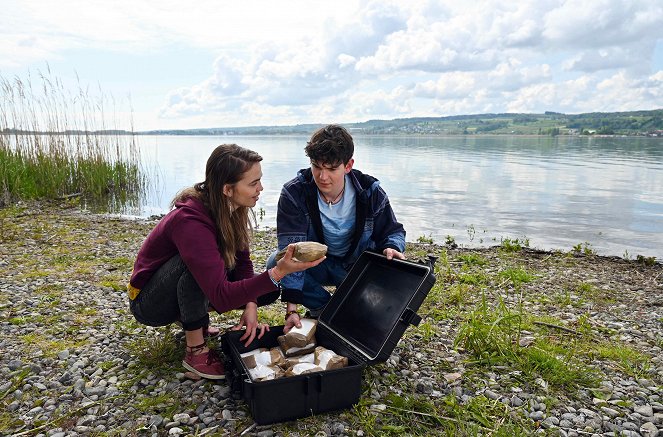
(176, 65)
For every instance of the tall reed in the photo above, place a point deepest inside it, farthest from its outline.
(55, 143)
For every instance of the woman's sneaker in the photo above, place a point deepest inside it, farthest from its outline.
(207, 364)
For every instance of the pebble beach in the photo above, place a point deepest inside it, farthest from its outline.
(74, 362)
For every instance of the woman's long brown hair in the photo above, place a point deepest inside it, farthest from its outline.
(226, 165)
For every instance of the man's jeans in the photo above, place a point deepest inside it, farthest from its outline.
(329, 272)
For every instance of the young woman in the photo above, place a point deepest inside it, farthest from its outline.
(197, 259)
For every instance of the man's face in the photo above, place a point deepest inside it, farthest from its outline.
(329, 177)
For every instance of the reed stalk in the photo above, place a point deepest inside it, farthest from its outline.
(55, 144)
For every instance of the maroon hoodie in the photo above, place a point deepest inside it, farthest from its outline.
(189, 230)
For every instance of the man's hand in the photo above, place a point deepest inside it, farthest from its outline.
(293, 321)
(250, 320)
(292, 318)
(392, 253)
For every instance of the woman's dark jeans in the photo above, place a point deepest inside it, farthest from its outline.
(172, 294)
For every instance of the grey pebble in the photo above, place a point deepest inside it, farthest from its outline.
(536, 415)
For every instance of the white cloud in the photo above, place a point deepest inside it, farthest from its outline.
(603, 23)
(627, 56)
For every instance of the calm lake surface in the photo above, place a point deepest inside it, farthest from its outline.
(555, 192)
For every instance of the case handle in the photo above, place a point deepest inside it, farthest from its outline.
(410, 317)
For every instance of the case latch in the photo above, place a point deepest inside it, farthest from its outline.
(410, 317)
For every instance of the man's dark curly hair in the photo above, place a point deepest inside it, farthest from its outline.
(330, 145)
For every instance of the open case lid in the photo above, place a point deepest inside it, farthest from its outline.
(375, 303)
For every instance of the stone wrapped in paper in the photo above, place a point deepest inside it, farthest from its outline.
(305, 251)
(302, 368)
(294, 351)
(265, 357)
(308, 358)
(300, 337)
(328, 359)
(265, 373)
(248, 357)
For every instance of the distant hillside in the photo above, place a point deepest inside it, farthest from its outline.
(550, 123)
(643, 123)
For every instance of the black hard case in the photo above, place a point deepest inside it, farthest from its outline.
(364, 320)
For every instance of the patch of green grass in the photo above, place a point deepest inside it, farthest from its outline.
(628, 360)
(423, 416)
(490, 335)
(458, 294)
(34, 274)
(556, 366)
(9, 229)
(160, 353)
(9, 422)
(590, 292)
(106, 365)
(517, 275)
(583, 249)
(473, 278)
(363, 418)
(427, 330)
(18, 321)
(649, 261)
(561, 298)
(114, 284)
(165, 404)
(425, 240)
(472, 259)
(440, 312)
(51, 290)
(513, 245)
(47, 345)
(74, 259)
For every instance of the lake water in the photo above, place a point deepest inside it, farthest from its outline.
(555, 192)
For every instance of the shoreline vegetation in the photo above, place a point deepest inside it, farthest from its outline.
(512, 342)
(100, 167)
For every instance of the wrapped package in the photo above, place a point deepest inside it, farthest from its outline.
(302, 368)
(328, 359)
(305, 251)
(300, 337)
(266, 357)
(265, 373)
(294, 351)
(308, 358)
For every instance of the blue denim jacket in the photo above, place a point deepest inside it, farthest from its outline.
(298, 219)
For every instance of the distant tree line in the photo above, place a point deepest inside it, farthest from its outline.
(548, 123)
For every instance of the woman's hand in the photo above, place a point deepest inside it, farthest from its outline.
(250, 320)
(287, 265)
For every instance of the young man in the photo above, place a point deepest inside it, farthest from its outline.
(336, 205)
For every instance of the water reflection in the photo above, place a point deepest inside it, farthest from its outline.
(557, 192)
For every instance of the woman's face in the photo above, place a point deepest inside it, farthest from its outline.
(247, 190)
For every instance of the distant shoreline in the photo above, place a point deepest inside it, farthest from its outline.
(655, 136)
(633, 123)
